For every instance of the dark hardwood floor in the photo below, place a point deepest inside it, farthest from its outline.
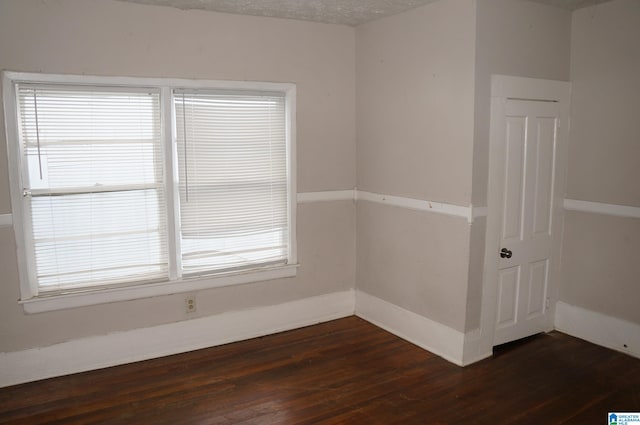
(342, 372)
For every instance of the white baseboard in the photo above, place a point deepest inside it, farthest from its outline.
(163, 340)
(435, 337)
(598, 328)
(475, 348)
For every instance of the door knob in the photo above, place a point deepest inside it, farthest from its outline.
(505, 253)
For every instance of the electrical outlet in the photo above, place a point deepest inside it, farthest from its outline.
(190, 303)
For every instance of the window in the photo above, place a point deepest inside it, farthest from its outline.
(232, 160)
(157, 185)
(93, 185)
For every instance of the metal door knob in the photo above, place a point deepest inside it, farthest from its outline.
(505, 253)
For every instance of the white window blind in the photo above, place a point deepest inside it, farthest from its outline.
(93, 184)
(232, 172)
(118, 182)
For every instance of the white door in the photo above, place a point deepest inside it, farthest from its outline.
(526, 243)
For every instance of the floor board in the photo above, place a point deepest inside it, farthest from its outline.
(342, 372)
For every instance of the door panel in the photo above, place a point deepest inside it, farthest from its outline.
(508, 283)
(545, 149)
(538, 275)
(516, 136)
(530, 131)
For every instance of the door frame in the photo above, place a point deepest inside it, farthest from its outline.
(504, 88)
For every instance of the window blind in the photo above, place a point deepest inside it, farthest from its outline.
(93, 184)
(232, 172)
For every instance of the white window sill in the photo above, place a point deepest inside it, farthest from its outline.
(80, 299)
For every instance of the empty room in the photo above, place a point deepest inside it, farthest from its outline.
(320, 211)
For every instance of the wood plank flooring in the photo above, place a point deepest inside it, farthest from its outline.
(342, 372)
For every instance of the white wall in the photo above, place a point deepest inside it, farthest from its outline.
(99, 37)
(415, 88)
(415, 102)
(601, 253)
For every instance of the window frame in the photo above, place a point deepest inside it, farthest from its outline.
(32, 301)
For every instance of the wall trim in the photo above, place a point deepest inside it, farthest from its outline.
(598, 328)
(324, 196)
(141, 344)
(6, 220)
(474, 349)
(602, 208)
(428, 334)
(470, 212)
(414, 204)
(479, 211)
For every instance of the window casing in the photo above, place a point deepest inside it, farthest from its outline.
(128, 187)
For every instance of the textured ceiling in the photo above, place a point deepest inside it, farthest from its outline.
(346, 12)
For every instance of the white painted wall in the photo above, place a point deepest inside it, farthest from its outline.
(415, 260)
(103, 37)
(604, 163)
(601, 253)
(415, 77)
